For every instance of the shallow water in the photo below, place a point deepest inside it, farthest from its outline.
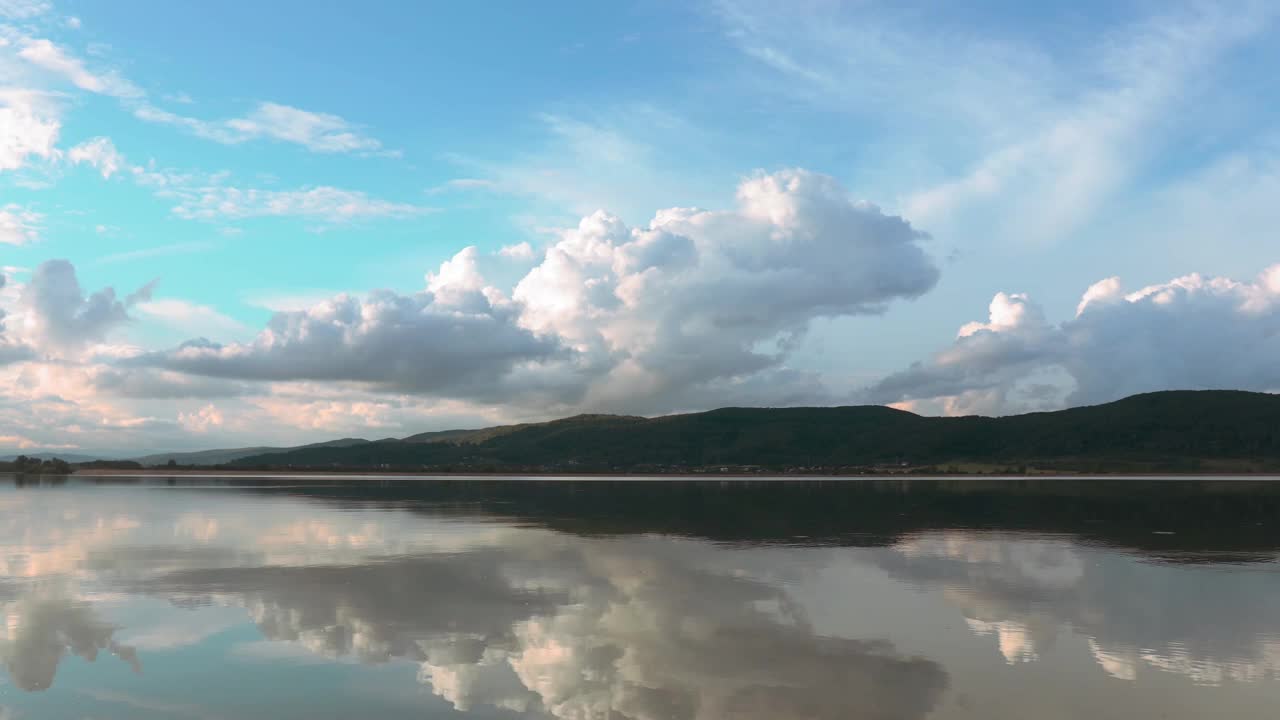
(229, 598)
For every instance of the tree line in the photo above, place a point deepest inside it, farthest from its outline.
(36, 466)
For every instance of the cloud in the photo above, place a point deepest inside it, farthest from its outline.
(29, 127)
(153, 252)
(12, 349)
(1026, 142)
(1083, 155)
(463, 184)
(835, 57)
(11, 352)
(45, 54)
(190, 317)
(519, 251)
(99, 153)
(1162, 337)
(318, 132)
(18, 226)
(336, 415)
(24, 9)
(54, 315)
(457, 334)
(695, 305)
(323, 203)
(79, 398)
(209, 197)
(151, 384)
(18, 441)
(288, 301)
(629, 159)
(700, 297)
(201, 421)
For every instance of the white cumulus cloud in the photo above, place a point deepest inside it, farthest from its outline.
(698, 307)
(703, 298)
(1192, 332)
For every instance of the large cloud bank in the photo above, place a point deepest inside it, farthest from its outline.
(692, 305)
(693, 310)
(1192, 332)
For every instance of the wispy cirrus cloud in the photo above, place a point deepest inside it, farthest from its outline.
(24, 9)
(462, 184)
(191, 318)
(1054, 176)
(56, 59)
(211, 197)
(323, 203)
(156, 252)
(1022, 142)
(628, 159)
(316, 131)
(18, 225)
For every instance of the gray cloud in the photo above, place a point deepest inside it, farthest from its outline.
(11, 353)
(155, 384)
(1189, 333)
(429, 342)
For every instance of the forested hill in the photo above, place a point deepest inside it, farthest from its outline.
(1180, 430)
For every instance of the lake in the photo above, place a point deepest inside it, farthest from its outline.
(232, 597)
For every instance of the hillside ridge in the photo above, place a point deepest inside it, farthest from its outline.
(1166, 430)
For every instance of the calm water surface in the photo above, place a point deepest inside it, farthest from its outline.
(232, 598)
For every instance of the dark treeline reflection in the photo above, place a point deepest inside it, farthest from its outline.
(1200, 520)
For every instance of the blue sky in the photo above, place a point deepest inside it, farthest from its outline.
(238, 160)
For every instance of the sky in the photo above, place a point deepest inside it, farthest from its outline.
(237, 223)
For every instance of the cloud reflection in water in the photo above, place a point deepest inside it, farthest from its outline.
(503, 612)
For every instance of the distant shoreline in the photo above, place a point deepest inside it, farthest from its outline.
(390, 475)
